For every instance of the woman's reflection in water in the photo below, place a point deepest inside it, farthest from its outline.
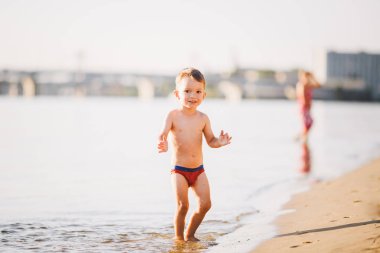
(305, 167)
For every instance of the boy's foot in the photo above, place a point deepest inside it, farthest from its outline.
(192, 239)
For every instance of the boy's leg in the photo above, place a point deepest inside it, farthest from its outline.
(202, 192)
(180, 188)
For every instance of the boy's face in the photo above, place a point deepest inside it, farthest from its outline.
(190, 92)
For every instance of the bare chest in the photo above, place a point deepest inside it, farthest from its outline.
(188, 127)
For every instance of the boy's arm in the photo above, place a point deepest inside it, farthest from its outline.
(212, 141)
(162, 145)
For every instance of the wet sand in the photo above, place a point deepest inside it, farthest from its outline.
(342, 215)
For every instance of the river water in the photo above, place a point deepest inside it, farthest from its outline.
(83, 174)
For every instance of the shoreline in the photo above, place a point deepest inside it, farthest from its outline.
(339, 215)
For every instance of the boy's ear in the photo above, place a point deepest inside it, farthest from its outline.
(175, 93)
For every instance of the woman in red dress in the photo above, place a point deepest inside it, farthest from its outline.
(306, 84)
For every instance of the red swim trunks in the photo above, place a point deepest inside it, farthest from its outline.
(190, 175)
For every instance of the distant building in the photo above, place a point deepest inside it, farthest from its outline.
(16, 83)
(353, 72)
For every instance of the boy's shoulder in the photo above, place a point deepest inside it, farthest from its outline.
(173, 112)
(202, 114)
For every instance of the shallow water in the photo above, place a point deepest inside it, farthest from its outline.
(89, 236)
(84, 174)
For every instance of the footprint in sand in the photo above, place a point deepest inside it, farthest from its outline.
(296, 246)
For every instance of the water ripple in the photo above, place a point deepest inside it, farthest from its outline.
(58, 237)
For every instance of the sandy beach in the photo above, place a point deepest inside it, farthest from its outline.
(342, 215)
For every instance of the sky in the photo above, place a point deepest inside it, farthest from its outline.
(151, 36)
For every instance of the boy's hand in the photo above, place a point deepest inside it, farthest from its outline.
(162, 145)
(224, 139)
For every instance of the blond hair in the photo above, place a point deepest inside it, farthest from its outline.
(191, 73)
